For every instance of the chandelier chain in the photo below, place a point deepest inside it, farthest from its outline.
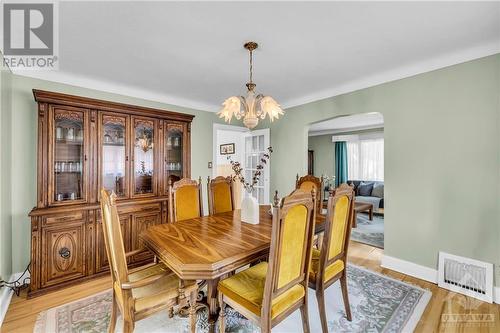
(251, 66)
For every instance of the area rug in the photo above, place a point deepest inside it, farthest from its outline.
(378, 304)
(369, 232)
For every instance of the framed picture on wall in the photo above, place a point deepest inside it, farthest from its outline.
(227, 149)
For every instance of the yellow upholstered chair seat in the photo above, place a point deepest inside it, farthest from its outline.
(159, 292)
(187, 205)
(333, 269)
(247, 289)
(222, 198)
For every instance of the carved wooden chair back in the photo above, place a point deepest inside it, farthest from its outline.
(337, 230)
(220, 195)
(185, 200)
(114, 247)
(309, 182)
(291, 246)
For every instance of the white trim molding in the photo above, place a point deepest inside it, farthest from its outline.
(344, 130)
(410, 268)
(425, 66)
(6, 296)
(496, 295)
(431, 64)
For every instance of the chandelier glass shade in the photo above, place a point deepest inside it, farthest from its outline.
(251, 107)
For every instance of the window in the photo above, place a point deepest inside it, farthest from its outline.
(365, 159)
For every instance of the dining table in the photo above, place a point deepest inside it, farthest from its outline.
(211, 247)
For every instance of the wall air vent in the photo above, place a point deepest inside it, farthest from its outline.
(466, 276)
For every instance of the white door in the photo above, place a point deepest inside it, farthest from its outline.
(256, 144)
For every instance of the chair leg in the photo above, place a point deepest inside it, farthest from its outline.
(128, 326)
(114, 316)
(265, 325)
(305, 318)
(222, 313)
(320, 296)
(345, 295)
(192, 310)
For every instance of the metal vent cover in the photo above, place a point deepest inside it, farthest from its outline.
(466, 276)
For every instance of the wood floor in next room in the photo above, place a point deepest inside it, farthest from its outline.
(22, 313)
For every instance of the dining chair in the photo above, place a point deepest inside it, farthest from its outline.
(140, 293)
(220, 195)
(185, 200)
(270, 291)
(309, 182)
(329, 264)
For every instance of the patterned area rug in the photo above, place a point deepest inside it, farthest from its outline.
(378, 304)
(369, 232)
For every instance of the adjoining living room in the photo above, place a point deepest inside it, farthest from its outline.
(350, 150)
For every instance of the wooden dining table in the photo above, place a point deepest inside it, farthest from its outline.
(210, 247)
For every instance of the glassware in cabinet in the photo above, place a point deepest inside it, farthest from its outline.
(68, 155)
(114, 154)
(144, 156)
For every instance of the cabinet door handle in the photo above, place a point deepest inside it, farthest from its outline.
(65, 253)
(126, 158)
(85, 157)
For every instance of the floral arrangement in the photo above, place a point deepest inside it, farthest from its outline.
(329, 182)
(238, 170)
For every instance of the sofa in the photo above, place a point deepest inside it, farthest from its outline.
(369, 191)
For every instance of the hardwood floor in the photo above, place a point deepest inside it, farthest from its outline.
(22, 313)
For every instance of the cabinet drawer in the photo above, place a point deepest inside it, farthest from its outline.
(66, 217)
(63, 253)
(139, 208)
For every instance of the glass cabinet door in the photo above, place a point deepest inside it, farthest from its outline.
(144, 156)
(114, 154)
(68, 156)
(174, 152)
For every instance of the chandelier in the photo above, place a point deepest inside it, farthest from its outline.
(252, 107)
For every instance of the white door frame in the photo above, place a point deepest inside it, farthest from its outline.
(266, 132)
(217, 127)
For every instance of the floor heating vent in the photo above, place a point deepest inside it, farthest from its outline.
(466, 276)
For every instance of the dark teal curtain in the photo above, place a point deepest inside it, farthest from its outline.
(340, 163)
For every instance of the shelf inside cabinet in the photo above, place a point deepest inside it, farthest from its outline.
(69, 142)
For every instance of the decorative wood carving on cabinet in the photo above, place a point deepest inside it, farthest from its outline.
(85, 144)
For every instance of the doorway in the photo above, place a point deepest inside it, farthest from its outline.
(350, 149)
(238, 144)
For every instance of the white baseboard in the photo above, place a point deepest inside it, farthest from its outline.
(496, 295)
(410, 268)
(6, 296)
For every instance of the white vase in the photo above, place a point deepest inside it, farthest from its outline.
(249, 209)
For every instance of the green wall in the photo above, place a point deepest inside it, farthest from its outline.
(24, 123)
(442, 147)
(5, 171)
(324, 155)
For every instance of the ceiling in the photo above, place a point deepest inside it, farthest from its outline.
(347, 123)
(190, 54)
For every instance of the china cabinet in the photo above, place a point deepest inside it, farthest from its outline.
(84, 145)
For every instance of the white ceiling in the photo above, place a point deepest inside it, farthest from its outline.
(190, 54)
(347, 123)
